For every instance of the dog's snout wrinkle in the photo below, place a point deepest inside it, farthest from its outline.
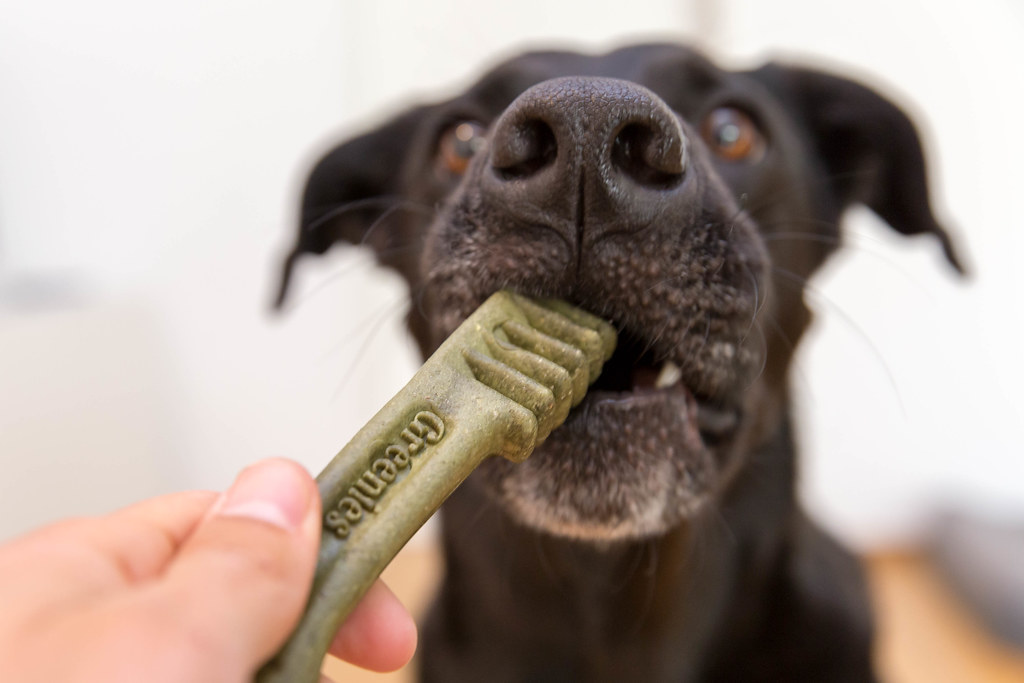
(597, 154)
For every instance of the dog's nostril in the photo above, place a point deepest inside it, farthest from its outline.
(522, 149)
(649, 157)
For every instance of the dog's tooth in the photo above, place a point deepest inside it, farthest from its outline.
(669, 375)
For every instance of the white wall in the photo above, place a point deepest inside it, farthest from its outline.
(150, 157)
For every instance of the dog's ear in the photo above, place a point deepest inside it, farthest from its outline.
(351, 188)
(870, 148)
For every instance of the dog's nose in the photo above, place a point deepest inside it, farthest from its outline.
(596, 154)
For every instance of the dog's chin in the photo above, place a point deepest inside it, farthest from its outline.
(626, 465)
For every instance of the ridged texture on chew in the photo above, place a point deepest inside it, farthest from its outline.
(497, 386)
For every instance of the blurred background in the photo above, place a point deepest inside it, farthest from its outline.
(151, 157)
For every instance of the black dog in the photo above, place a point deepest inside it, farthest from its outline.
(655, 536)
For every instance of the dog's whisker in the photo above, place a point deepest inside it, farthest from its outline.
(543, 559)
(773, 239)
(628, 573)
(650, 584)
(722, 523)
(652, 564)
(797, 280)
(372, 319)
(693, 358)
(383, 317)
(390, 201)
(651, 342)
(797, 368)
(700, 540)
(487, 505)
(762, 354)
(505, 567)
(380, 220)
(412, 244)
(757, 297)
(759, 305)
(833, 237)
(419, 292)
(342, 273)
(734, 219)
(658, 336)
(818, 183)
(684, 337)
(356, 267)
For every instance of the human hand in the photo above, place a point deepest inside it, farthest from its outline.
(190, 587)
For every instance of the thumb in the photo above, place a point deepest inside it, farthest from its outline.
(239, 583)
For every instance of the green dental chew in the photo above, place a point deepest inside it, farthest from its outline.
(497, 386)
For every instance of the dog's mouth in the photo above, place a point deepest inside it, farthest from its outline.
(637, 374)
(636, 457)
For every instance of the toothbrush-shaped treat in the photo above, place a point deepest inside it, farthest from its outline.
(497, 386)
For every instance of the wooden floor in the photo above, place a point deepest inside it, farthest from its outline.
(926, 634)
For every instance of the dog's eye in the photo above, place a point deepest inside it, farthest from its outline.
(733, 135)
(457, 146)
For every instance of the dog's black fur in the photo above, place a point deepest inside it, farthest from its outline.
(656, 535)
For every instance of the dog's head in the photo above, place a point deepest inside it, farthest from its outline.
(685, 204)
